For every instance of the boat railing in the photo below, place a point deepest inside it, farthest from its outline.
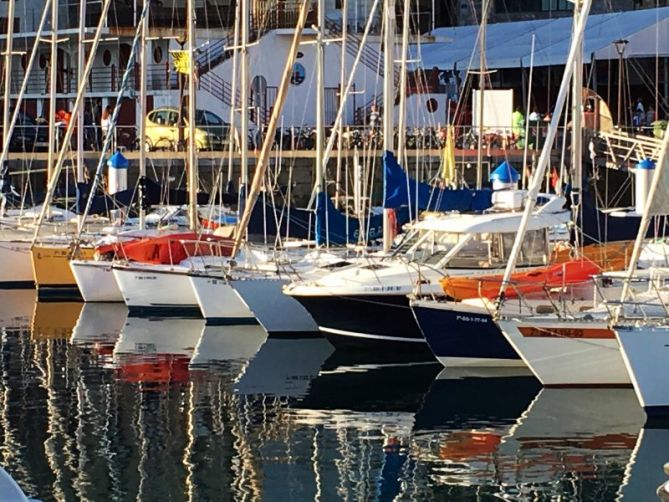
(565, 301)
(643, 304)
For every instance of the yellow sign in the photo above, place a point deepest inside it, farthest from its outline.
(181, 61)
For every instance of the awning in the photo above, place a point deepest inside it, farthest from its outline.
(509, 45)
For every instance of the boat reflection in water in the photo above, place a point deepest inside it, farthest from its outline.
(227, 349)
(567, 442)
(156, 351)
(16, 307)
(284, 367)
(644, 472)
(180, 410)
(99, 326)
(54, 320)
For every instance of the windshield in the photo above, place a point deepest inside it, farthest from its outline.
(484, 250)
(429, 247)
(205, 118)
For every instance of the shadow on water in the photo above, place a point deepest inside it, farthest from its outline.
(98, 406)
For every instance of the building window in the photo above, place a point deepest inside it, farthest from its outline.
(299, 74)
(555, 5)
(157, 54)
(527, 6)
(106, 57)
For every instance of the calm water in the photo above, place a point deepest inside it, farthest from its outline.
(98, 406)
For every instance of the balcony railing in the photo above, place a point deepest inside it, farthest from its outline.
(160, 77)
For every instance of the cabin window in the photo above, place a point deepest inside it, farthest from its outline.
(533, 251)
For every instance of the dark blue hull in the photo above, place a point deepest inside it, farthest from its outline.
(463, 335)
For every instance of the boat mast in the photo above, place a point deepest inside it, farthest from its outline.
(482, 74)
(53, 74)
(320, 97)
(232, 131)
(9, 46)
(143, 60)
(401, 123)
(80, 74)
(538, 174)
(265, 151)
(342, 87)
(70, 128)
(192, 145)
(576, 132)
(244, 98)
(24, 85)
(388, 100)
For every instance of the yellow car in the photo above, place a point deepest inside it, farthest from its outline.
(162, 130)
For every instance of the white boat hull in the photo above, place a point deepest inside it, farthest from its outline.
(645, 350)
(154, 290)
(219, 303)
(275, 311)
(96, 281)
(567, 354)
(17, 270)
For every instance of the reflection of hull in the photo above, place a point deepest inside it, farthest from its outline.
(156, 351)
(570, 431)
(218, 301)
(645, 351)
(55, 320)
(147, 337)
(644, 472)
(96, 281)
(162, 290)
(567, 353)
(460, 397)
(461, 423)
(284, 366)
(17, 270)
(460, 335)
(276, 312)
(99, 323)
(51, 268)
(368, 386)
(219, 345)
(16, 307)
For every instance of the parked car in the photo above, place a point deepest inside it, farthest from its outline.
(28, 136)
(162, 130)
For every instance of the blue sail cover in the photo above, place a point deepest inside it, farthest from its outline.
(331, 224)
(400, 190)
(399, 193)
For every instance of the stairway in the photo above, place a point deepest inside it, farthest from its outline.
(623, 150)
(215, 54)
(369, 57)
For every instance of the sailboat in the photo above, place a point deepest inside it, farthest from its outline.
(644, 343)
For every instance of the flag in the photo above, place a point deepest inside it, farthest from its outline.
(181, 61)
(448, 158)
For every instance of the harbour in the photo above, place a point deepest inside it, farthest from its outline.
(317, 250)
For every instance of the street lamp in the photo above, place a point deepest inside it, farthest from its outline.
(620, 44)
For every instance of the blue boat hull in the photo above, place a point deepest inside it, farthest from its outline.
(464, 338)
